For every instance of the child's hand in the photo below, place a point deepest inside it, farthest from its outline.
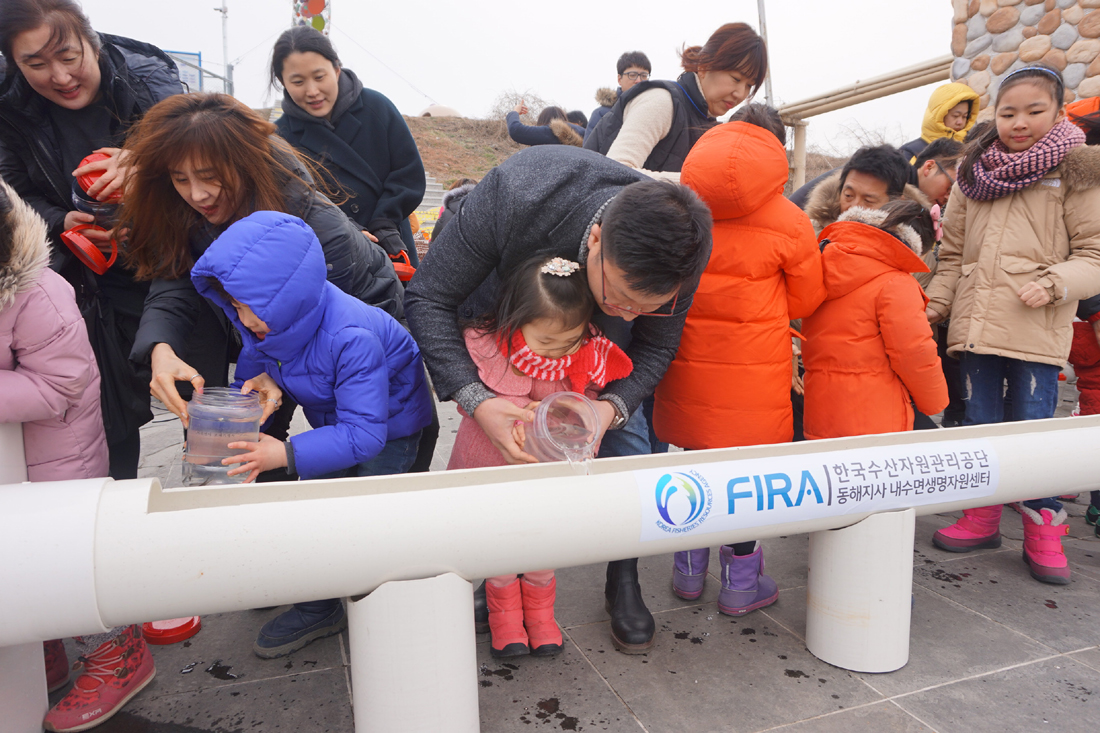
(265, 455)
(519, 429)
(932, 316)
(1034, 295)
(271, 397)
(497, 417)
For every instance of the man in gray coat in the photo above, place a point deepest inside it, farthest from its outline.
(644, 244)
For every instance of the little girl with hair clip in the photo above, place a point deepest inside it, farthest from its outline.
(540, 340)
(1021, 246)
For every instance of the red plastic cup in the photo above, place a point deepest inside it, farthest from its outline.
(86, 251)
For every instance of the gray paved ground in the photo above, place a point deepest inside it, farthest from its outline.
(992, 650)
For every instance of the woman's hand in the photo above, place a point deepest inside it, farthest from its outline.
(370, 236)
(1034, 295)
(265, 455)
(167, 370)
(271, 397)
(933, 316)
(114, 175)
(77, 218)
(497, 417)
(521, 108)
(103, 240)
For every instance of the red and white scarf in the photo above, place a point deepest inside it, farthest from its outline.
(598, 361)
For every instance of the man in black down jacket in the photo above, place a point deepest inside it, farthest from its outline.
(653, 239)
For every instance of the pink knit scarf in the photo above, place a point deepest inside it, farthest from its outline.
(998, 172)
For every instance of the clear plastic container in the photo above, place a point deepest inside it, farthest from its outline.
(564, 429)
(104, 212)
(219, 416)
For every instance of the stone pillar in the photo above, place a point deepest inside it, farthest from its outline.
(991, 38)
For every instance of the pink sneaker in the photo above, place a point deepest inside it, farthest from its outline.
(57, 665)
(979, 528)
(1043, 532)
(113, 674)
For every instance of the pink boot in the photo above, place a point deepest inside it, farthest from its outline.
(115, 672)
(544, 636)
(1043, 531)
(979, 528)
(509, 639)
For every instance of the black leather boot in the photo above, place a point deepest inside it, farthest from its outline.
(481, 610)
(632, 624)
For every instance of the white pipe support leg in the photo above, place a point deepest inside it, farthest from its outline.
(860, 591)
(23, 688)
(414, 658)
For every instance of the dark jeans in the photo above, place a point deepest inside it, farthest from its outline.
(396, 457)
(1032, 391)
(655, 444)
(956, 408)
(631, 439)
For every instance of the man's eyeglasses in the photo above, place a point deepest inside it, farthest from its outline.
(637, 75)
(661, 311)
(944, 170)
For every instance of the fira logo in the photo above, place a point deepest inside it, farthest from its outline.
(683, 501)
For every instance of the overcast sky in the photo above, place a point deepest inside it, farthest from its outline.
(465, 54)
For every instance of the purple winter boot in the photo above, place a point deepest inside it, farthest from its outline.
(689, 573)
(744, 586)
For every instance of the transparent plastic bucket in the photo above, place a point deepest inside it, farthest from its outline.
(219, 416)
(564, 429)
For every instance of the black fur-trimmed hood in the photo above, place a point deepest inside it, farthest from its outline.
(457, 194)
(30, 247)
(606, 96)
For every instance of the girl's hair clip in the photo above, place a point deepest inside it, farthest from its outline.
(560, 266)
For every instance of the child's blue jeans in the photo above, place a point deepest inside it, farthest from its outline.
(397, 456)
(1032, 391)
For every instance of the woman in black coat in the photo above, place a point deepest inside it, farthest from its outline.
(353, 133)
(45, 131)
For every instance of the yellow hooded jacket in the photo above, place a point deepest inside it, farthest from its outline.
(941, 102)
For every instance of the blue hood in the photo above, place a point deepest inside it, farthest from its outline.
(273, 263)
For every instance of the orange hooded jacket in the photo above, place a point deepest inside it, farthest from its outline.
(869, 347)
(730, 382)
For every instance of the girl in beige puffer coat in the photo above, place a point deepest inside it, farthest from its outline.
(1021, 246)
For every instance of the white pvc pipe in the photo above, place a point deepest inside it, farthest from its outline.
(414, 658)
(165, 554)
(859, 593)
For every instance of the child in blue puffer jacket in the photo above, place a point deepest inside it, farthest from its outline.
(355, 371)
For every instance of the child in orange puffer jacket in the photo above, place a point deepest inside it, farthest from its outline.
(869, 352)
